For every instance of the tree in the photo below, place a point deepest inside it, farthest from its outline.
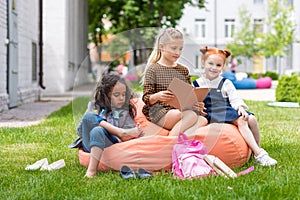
(245, 41)
(96, 11)
(281, 28)
(274, 42)
(130, 14)
(125, 15)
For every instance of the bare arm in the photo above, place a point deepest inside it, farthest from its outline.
(111, 128)
(123, 134)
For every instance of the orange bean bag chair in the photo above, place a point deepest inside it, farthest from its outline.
(154, 151)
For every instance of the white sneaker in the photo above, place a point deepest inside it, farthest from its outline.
(264, 159)
(56, 165)
(38, 164)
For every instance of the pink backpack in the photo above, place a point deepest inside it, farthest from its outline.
(188, 160)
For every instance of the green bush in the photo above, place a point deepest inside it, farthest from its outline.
(288, 89)
(272, 75)
(252, 75)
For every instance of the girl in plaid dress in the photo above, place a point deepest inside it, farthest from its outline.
(161, 68)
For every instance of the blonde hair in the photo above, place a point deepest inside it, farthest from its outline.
(164, 37)
(207, 51)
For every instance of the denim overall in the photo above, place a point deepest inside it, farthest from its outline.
(218, 108)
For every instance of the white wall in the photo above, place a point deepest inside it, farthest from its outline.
(229, 9)
(54, 48)
(3, 57)
(65, 48)
(77, 40)
(65, 37)
(28, 32)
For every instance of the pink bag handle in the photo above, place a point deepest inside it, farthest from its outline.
(182, 138)
(246, 171)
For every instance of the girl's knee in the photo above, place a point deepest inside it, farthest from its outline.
(191, 115)
(202, 121)
(175, 115)
(240, 122)
(170, 119)
(97, 133)
(97, 137)
(252, 119)
(89, 117)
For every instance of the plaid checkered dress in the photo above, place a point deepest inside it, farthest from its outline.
(157, 78)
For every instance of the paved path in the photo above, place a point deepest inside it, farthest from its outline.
(258, 94)
(33, 113)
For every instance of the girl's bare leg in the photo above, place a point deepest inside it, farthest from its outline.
(201, 121)
(189, 118)
(253, 125)
(95, 156)
(247, 135)
(170, 119)
(261, 156)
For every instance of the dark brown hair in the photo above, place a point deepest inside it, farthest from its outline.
(103, 91)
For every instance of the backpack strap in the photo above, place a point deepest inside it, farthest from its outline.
(182, 137)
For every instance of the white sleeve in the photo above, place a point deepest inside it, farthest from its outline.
(231, 92)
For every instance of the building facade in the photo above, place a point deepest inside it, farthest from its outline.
(19, 59)
(43, 43)
(215, 26)
(65, 44)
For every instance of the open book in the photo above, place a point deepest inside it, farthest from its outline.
(186, 96)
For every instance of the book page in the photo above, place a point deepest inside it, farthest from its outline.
(186, 96)
(201, 93)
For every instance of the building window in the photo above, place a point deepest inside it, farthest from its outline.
(258, 26)
(258, 1)
(229, 28)
(34, 61)
(200, 28)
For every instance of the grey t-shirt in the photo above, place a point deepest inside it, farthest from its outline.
(118, 117)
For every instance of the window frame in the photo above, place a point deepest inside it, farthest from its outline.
(200, 28)
(229, 28)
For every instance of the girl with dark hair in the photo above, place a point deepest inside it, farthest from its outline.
(109, 119)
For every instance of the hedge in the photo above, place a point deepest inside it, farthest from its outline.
(288, 89)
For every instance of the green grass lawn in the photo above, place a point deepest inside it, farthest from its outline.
(280, 136)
